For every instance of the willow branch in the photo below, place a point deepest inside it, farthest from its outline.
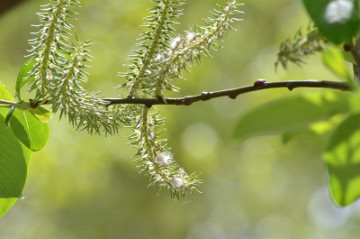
(204, 96)
(231, 93)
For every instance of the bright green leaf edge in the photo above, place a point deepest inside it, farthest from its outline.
(4, 93)
(6, 204)
(41, 114)
(334, 60)
(342, 158)
(290, 113)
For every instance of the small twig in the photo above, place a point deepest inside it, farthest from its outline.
(204, 96)
(352, 49)
(6, 103)
(231, 93)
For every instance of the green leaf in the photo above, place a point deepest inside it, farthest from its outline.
(334, 60)
(342, 157)
(287, 136)
(337, 20)
(41, 114)
(14, 159)
(4, 93)
(290, 113)
(23, 76)
(29, 130)
(316, 129)
(6, 204)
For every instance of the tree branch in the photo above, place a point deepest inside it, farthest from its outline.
(231, 93)
(204, 96)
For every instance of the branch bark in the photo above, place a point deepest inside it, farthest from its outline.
(231, 93)
(204, 96)
(354, 51)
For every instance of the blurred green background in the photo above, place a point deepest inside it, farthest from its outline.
(84, 186)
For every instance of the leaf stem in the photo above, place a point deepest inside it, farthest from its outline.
(145, 132)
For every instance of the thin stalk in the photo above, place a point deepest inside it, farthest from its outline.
(149, 147)
(231, 93)
(150, 54)
(172, 61)
(204, 96)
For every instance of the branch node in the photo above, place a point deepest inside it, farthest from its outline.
(290, 86)
(206, 95)
(148, 105)
(260, 83)
(233, 96)
(347, 47)
(33, 103)
(187, 101)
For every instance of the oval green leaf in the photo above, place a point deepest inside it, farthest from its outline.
(337, 20)
(14, 159)
(290, 113)
(342, 157)
(29, 130)
(6, 204)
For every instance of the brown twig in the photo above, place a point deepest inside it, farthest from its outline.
(204, 96)
(231, 93)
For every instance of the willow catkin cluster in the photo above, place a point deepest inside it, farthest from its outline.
(60, 68)
(155, 66)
